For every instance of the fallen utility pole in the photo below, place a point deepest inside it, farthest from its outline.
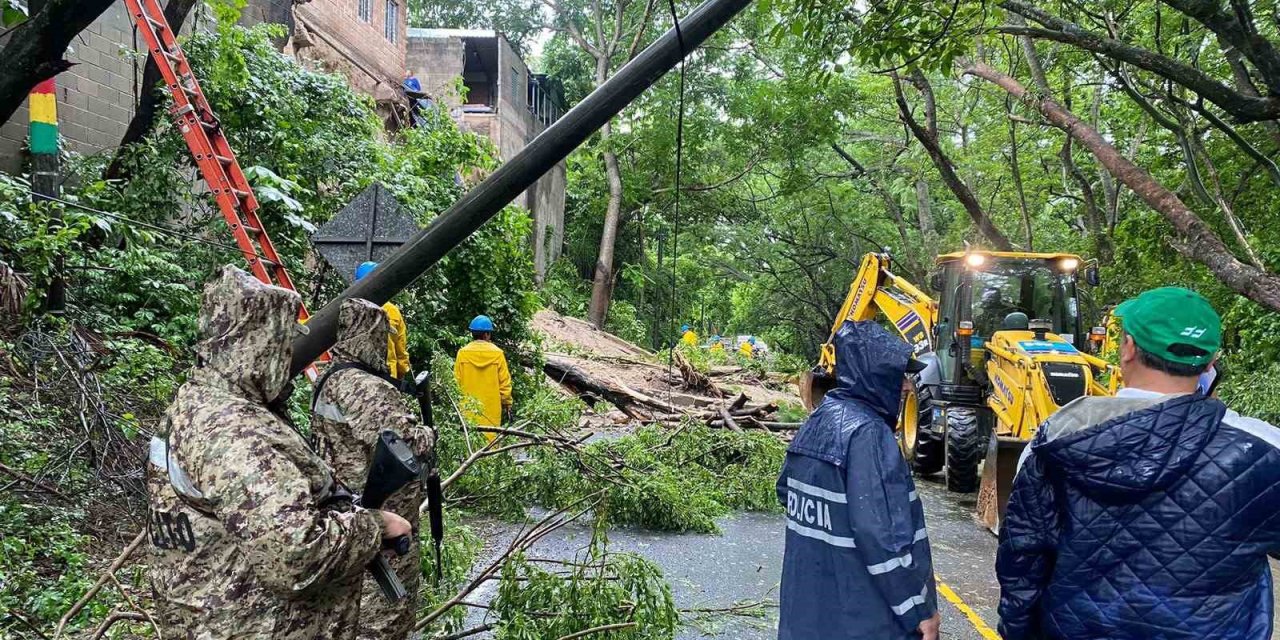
(517, 174)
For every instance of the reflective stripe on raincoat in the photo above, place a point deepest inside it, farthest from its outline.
(857, 563)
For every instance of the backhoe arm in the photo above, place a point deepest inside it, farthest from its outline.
(877, 290)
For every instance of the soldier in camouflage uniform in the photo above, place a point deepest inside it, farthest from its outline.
(356, 402)
(243, 545)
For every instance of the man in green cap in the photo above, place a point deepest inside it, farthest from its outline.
(1150, 514)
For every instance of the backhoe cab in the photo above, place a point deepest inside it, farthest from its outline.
(1005, 347)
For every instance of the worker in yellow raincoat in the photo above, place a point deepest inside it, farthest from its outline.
(748, 347)
(716, 343)
(482, 374)
(397, 340)
(688, 336)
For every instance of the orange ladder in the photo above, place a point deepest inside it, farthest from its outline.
(213, 155)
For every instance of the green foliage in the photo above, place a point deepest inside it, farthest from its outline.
(538, 600)
(671, 481)
(12, 13)
(459, 551)
(879, 34)
(43, 575)
(564, 290)
(1253, 392)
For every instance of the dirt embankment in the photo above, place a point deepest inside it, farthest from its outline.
(626, 384)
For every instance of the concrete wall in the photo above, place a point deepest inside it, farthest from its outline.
(517, 127)
(437, 63)
(95, 98)
(437, 58)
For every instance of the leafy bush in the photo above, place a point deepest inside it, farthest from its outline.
(41, 576)
(624, 321)
(599, 589)
(1253, 392)
(459, 550)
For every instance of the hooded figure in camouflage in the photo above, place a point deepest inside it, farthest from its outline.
(356, 401)
(243, 545)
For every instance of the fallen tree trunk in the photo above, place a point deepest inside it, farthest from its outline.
(583, 383)
(727, 420)
(630, 401)
(768, 424)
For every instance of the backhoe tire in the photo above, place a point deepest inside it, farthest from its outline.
(930, 450)
(964, 449)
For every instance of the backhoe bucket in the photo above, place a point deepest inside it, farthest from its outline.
(998, 470)
(814, 385)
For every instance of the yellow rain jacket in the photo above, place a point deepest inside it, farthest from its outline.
(747, 350)
(690, 338)
(397, 342)
(481, 370)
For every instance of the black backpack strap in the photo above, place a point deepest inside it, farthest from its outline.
(343, 366)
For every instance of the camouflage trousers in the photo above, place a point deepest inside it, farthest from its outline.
(381, 619)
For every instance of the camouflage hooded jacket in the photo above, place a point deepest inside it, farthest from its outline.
(347, 415)
(241, 546)
(353, 407)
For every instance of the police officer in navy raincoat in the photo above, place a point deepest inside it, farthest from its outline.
(857, 563)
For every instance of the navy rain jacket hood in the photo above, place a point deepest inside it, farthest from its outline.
(1142, 518)
(857, 563)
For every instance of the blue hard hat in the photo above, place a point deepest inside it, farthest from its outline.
(715, 338)
(752, 339)
(684, 327)
(481, 323)
(365, 269)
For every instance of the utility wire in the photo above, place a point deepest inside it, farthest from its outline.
(675, 215)
(116, 216)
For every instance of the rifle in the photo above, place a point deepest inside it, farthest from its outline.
(394, 466)
(435, 492)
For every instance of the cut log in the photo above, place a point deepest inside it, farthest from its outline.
(768, 424)
(646, 399)
(728, 421)
(758, 411)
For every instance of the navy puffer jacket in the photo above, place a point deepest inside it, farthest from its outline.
(857, 564)
(1142, 517)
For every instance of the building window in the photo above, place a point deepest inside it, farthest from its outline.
(393, 20)
(365, 9)
(516, 93)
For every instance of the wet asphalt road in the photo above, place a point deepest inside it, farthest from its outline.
(744, 564)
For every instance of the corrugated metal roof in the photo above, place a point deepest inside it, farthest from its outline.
(452, 33)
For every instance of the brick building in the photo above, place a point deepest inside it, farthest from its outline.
(368, 42)
(363, 40)
(95, 98)
(497, 97)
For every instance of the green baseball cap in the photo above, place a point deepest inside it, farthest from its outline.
(1173, 324)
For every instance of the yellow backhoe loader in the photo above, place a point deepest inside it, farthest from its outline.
(1004, 347)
